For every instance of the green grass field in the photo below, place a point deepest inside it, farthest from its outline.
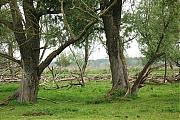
(154, 102)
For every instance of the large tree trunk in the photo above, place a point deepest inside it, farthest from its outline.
(28, 90)
(115, 46)
(29, 44)
(29, 85)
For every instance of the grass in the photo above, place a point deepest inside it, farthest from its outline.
(154, 102)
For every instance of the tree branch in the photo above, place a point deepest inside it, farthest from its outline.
(3, 2)
(162, 37)
(56, 52)
(39, 14)
(43, 52)
(52, 55)
(10, 58)
(6, 23)
(130, 39)
(65, 20)
(108, 8)
(76, 60)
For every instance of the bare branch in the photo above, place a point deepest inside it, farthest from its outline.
(44, 49)
(87, 12)
(39, 14)
(76, 60)
(108, 8)
(87, 6)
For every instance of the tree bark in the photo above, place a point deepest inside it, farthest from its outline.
(144, 73)
(29, 87)
(29, 43)
(172, 69)
(114, 45)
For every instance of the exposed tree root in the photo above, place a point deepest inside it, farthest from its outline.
(3, 103)
(14, 96)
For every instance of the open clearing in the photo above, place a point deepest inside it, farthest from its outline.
(154, 102)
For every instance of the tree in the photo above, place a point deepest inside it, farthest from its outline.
(63, 60)
(7, 42)
(114, 44)
(27, 31)
(27, 34)
(84, 50)
(156, 25)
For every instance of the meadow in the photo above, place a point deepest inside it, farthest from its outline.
(154, 102)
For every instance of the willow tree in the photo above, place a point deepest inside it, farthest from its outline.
(25, 25)
(157, 27)
(7, 43)
(114, 44)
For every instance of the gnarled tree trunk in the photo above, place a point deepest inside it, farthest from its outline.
(28, 90)
(29, 44)
(115, 45)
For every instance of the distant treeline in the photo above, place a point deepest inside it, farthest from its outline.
(103, 63)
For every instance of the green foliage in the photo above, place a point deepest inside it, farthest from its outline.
(156, 20)
(63, 60)
(78, 15)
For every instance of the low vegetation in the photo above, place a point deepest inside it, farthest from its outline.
(154, 102)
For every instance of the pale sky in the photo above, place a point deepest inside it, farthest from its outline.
(133, 51)
(100, 53)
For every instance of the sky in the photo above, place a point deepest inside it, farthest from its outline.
(101, 53)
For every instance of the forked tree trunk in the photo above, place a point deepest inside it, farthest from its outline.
(115, 46)
(141, 76)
